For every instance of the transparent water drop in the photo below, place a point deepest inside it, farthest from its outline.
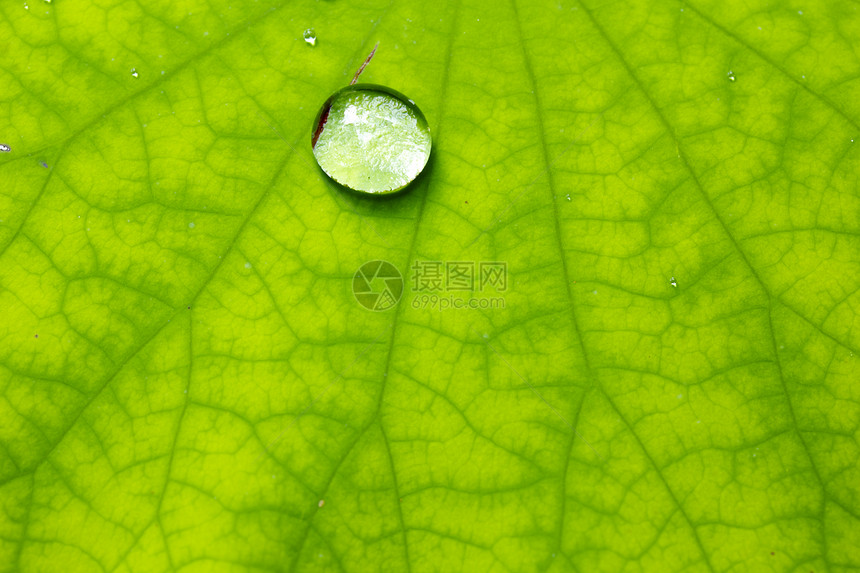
(310, 37)
(26, 6)
(134, 73)
(190, 225)
(568, 197)
(731, 76)
(247, 265)
(370, 138)
(47, 1)
(5, 148)
(673, 282)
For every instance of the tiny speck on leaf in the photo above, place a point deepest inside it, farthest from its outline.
(321, 503)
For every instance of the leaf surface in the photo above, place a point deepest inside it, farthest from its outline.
(668, 382)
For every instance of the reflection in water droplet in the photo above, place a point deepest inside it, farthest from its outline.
(247, 265)
(369, 138)
(26, 6)
(568, 197)
(673, 282)
(190, 225)
(731, 76)
(5, 148)
(310, 37)
(134, 73)
(47, 1)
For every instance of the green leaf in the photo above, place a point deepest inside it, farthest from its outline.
(668, 382)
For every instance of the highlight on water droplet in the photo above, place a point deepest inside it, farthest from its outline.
(370, 138)
(26, 6)
(134, 73)
(731, 76)
(673, 282)
(310, 36)
(5, 148)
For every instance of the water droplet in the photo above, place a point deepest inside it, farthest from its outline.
(731, 76)
(568, 197)
(190, 225)
(26, 6)
(310, 37)
(5, 148)
(134, 73)
(47, 1)
(370, 138)
(321, 503)
(247, 265)
(673, 282)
